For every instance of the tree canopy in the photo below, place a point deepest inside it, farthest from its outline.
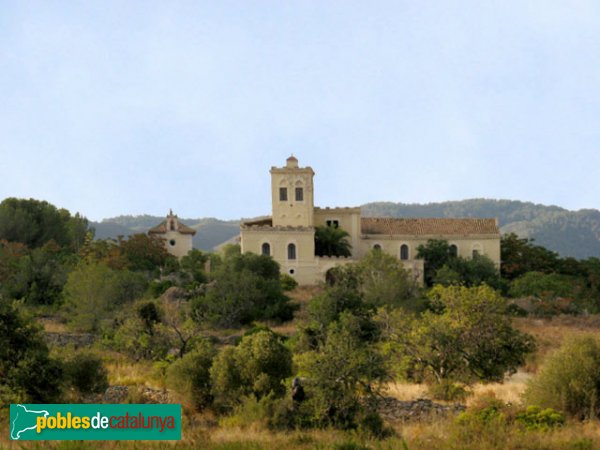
(332, 241)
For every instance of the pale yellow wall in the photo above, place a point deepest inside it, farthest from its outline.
(489, 246)
(183, 243)
(291, 212)
(304, 266)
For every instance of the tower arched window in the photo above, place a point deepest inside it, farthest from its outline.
(266, 249)
(404, 252)
(291, 250)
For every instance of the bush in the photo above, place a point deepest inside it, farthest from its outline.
(256, 367)
(190, 375)
(536, 418)
(569, 380)
(247, 288)
(86, 373)
(27, 373)
(158, 288)
(448, 391)
(288, 283)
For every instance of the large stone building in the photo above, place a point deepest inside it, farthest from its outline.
(288, 235)
(176, 236)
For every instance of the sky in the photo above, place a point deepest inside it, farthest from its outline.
(135, 107)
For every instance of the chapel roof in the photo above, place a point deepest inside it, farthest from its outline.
(162, 227)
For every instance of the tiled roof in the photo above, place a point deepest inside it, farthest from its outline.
(161, 228)
(427, 226)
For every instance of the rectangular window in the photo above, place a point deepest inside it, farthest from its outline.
(299, 194)
(283, 194)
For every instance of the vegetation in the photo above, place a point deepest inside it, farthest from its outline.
(465, 336)
(569, 381)
(27, 373)
(259, 362)
(246, 288)
(331, 240)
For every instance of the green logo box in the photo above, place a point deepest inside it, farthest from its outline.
(95, 422)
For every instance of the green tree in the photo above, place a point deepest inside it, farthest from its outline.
(190, 375)
(466, 336)
(470, 272)
(569, 380)
(94, 291)
(544, 285)
(144, 252)
(436, 254)
(193, 264)
(332, 241)
(257, 367)
(27, 373)
(383, 281)
(34, 223)
(86, 373)
(341, 373)
(246, 288)
(520, 256)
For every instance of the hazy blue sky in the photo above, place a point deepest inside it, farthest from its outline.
(125, 107)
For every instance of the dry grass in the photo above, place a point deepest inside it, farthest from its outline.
(510, 391)
(406, 391)
(303, 294)
(550, 333)
(124, 371)
(53, 325)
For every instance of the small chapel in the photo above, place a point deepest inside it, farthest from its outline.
(176, 235)
(288, 235)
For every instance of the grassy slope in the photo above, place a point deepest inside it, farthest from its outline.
(202, 430)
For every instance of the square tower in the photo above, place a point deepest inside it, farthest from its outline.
(292, 195)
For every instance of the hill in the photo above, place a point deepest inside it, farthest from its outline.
(570, 233)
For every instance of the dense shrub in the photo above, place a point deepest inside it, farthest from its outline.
(247, 288)
(257, 366)
(190, 375)
(27, 373)
(536, 418)
(86, 373)
(569, 381)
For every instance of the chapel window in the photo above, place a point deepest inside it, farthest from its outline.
(291, 250)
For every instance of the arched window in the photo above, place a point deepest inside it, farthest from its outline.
(377, 247)
(453, 250)
(291, 251)
(266, 249)
(476, 250)
(404, 252)
(172, 225)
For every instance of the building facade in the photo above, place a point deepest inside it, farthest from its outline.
(288, 235)
(177, 237)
